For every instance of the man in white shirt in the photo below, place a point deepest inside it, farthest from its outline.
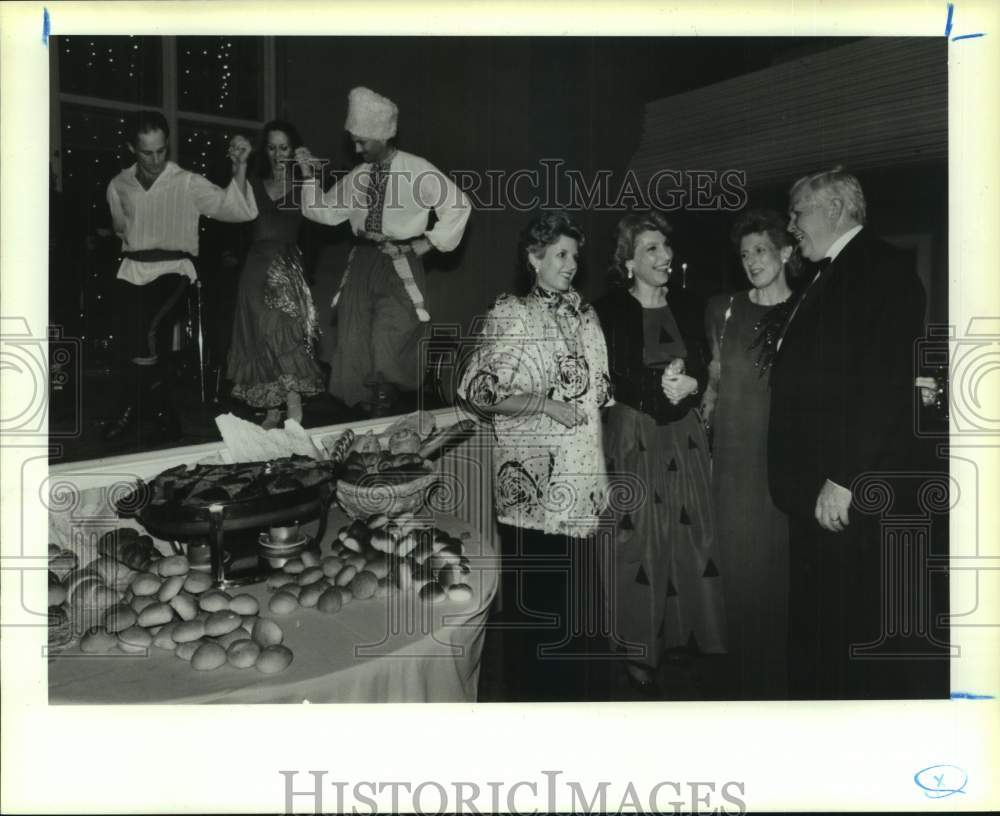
(155, 207)
(387, 200)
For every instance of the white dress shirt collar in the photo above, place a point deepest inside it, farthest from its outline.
(837, 246)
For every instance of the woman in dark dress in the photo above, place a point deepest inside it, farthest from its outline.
(663, 589)
(743, 330)
(271, 362)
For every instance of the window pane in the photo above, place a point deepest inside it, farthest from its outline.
(126, 69)
(203, 149)
(84, 259)
(220, 76)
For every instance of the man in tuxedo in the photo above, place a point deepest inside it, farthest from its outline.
(841, 409)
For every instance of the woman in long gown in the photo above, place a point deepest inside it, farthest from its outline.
(743, 330)
(663, 588)
(271, 362)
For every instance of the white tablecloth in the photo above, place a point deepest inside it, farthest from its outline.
(391, 649)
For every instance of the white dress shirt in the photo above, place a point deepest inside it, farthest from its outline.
(166, 217)
(414, 188)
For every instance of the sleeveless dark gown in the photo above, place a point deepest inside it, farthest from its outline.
(274, 324)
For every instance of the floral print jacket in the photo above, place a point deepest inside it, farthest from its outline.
(546, 476)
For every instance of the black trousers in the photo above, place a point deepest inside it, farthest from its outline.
(848, 591)
(554, 636)
(144, 318)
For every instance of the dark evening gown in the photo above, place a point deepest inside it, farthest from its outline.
(752, 532)
(664, 588)
(274, 327)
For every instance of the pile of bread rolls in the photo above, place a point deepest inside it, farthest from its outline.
(370, 560)
(175, 608)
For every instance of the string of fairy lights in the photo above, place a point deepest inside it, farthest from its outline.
(130, 69)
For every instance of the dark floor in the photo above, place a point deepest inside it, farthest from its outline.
(680, 677)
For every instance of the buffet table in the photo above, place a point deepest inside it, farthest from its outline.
(395, 648)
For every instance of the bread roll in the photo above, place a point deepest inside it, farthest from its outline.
(460, 592)
(310, 594)
(432, 592)
(119, 618)
(208, 657)
(267, 633)
(443, 559)
(222, 622)
(57, 591)
(243, 653)
(283, 603)
(310, 576)
(228, 639)
(404, 575)
(353, 544)
(170, 587)
(331, 601)
(331, 565)
(185, 606)
(97, 641)
(164, 639)
(186, 650)
(276, 580)
(113, 573)
(215, 600)
(135, 640)
(406, 545)
(244, 604)
(173, 565)
(105, 596)
(293, 566)
(345, 576)
(156, 614)
(294, 589)
(187, 631)
(310, 558)
(448, 575)
(423, 551)
(145, 583)
(377, 522)
(60, 631)
(364, 584)
(382, 541)
(273, 659)
(63, 562)
(140, 602)
(383, 588)
(197, 582)
(346, 595)
(379, 565)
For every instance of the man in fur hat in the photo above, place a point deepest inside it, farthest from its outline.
(387, 199)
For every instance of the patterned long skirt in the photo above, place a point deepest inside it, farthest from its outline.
(663, 585)
(271, 351)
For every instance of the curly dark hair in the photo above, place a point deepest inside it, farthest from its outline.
(773, 224)
(542, 232)
(628, 231)
(262, 165)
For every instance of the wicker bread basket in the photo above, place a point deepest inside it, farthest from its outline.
(372, 496)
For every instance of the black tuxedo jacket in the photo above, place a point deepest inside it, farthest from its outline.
(842, 382)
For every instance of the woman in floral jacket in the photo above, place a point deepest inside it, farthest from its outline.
(540, 373)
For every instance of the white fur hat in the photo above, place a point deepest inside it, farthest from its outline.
(370, 116)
